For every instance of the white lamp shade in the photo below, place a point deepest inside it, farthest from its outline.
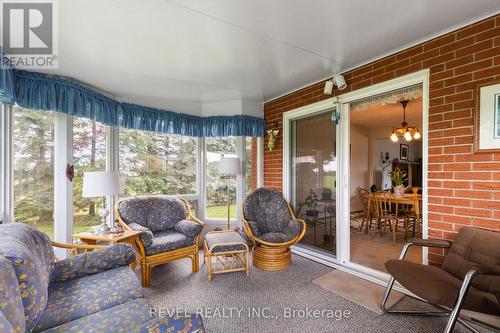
(100, 184)
(229, 165)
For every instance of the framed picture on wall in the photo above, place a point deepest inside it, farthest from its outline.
(404, 151)
(487, 117)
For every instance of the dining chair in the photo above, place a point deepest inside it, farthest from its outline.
(367, 218)
(414, 221)
(385, 214)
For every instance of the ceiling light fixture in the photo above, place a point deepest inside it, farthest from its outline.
(338, 81)
(408, 132)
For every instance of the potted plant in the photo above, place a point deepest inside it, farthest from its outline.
(326, 194)
(312, 204)
(398, 177)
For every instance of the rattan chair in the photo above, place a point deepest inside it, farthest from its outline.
(271, 225)
(169, 231)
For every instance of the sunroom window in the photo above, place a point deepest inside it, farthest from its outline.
(215, 183)
(89, 154)
(33, 168)
(156, 163)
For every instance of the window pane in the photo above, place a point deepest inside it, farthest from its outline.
(216, 185)
(155, 163)
(89, 154)
(251, 164)
(194, 207)
(33, 164)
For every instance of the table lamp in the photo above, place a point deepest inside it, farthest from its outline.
(228, 167)
(101, 184)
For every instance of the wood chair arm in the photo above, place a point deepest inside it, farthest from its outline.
(190, 213)
(430, 242)
(256, 240)
(487, 269)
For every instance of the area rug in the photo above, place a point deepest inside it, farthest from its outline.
(268, 302)
(357, 290)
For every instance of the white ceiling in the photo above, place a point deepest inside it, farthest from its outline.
(179, 54)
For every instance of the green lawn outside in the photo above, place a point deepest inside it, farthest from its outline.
(220, 211)
(49, 229)
(211, 212)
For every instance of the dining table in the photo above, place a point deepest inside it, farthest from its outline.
(408, 199)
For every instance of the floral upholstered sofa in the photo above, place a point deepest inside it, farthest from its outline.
(90, 292)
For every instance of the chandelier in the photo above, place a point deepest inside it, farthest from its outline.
(408, 132)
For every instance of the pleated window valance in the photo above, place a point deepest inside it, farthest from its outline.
(52, 93)
(6, 81)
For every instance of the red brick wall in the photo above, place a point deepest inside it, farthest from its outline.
(463, 187)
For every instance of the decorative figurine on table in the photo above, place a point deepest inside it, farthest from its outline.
(117, 228)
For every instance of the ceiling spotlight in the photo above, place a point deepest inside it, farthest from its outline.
(328, 87)
(337, 80)
(340, 81)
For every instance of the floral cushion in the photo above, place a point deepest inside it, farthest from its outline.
(216, 241)
(268, 209)
(5, 326)
(193, 324)
(93, 262)
(80, 297)
(168, 240)
(276, 237)
(293, 228)
(32, 257)
(189, 228)
(132, 316)
(254, 227)
(155, 212)
(146, 235)
(11, 306)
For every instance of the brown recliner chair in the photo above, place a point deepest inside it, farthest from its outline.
(468, 279)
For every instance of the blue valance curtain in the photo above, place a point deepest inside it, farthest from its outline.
(6, 81)
(51, 93)
(43, 92)
(157, 120)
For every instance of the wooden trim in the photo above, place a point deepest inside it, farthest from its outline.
(477, 114)
(149, 261)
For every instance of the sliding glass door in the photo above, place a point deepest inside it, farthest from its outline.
(313, 177)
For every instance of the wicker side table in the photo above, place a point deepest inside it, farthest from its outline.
(229, 250)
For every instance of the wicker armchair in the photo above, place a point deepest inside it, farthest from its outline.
(169, 231)
(270, 224)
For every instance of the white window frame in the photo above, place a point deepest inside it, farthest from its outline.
(6, 171)
(342, 258)
(63, 189)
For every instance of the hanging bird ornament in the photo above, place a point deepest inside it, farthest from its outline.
(272, 135)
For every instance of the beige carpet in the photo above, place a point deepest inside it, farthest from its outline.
(357, 290)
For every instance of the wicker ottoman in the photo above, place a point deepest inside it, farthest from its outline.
(229, 250)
